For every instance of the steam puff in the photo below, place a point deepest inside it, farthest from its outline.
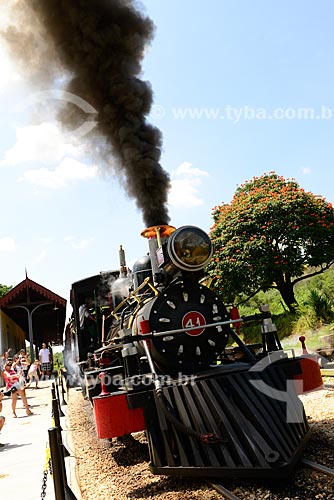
(101, 44)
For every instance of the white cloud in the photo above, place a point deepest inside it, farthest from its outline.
(68, 171)
(306, 170)
(46, 240)
(187, 169)
(78, 244)
(45, 144)
(39, 143)
(184, 192)
(40, 257)
(7, 244)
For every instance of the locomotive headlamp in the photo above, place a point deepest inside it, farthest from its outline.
(189, 248)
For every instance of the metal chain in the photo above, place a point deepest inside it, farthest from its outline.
(45, 478)
(47, 470)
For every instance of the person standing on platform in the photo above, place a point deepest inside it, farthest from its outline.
(3, 359)
(2, 418)
(45, 360)
(33, 372)
(25, 362)
(15, 387)
(18, 367)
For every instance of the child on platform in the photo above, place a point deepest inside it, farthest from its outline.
(33, 372)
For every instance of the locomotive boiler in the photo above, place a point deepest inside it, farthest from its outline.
(170, 363)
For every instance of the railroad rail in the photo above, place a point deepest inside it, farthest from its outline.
(308, 463)
(223, 491)
(318, 467)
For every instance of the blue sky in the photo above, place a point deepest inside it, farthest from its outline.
(240, 88)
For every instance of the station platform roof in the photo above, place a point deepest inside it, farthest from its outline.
(30, 301)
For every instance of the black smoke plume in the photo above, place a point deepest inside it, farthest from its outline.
(101, 44)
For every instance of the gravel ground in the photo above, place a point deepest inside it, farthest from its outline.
(121, 471)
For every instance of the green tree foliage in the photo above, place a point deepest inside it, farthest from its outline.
(4, 289)
(272, 235)
(314, 318)
(58, 360)
(321, 305)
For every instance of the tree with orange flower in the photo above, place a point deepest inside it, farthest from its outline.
(273, 234)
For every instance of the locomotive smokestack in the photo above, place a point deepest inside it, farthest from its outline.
(156, 235)
(101, 45)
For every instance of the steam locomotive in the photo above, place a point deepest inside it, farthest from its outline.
(162, 356)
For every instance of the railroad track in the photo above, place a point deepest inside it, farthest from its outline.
(318, 467)
(224, 492)
(308, 463)
(132, 480)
